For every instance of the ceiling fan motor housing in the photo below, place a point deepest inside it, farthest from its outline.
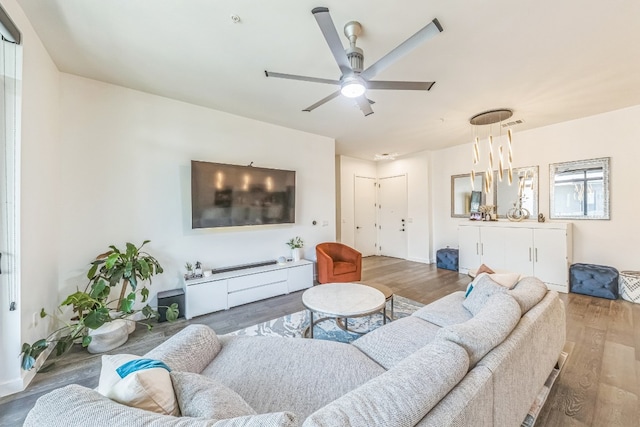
(356, 58)
(352, 30)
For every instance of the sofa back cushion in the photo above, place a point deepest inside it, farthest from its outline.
(528, 292)
(401, 396)
(75, 405)
(488, 328)
(190, 350)
(200, 396)
(483, 289)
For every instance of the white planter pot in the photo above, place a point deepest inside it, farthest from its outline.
(297, 254)
(108, 336)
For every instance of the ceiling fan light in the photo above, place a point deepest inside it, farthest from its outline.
(353, 87)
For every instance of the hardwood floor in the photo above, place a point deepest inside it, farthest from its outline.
(599, 385)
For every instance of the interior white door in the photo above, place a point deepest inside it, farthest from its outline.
(392, 204)
(365, 215)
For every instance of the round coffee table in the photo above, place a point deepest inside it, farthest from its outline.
(342, 300)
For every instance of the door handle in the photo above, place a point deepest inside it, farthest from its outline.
(536, 254)
(357, 228)
(481, 248)
(477, 251)
(529, 254)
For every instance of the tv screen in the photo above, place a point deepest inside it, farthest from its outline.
(230, 195)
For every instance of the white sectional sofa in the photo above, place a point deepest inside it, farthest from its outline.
(476, 361)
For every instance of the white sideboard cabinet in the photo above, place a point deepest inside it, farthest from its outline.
(536, 249)
(227, 289)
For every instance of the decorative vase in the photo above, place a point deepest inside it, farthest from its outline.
(297, 254)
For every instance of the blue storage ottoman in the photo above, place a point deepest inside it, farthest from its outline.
(447, 259)
(595, 280)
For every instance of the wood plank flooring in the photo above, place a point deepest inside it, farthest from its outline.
(599, 385)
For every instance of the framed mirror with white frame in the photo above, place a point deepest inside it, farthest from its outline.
(525, 182)
(465, 196)
(580, 189)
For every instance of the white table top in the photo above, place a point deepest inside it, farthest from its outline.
(343, 299)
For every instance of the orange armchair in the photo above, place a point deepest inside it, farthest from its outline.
(338, 263)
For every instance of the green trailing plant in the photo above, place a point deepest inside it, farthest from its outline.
(295, 243)
(133, 268)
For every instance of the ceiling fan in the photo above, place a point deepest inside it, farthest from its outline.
(355, 81)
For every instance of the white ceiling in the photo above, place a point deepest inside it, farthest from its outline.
(548, 60)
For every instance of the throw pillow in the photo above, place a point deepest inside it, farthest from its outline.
(137, 382)
(508, 280)
(483, 289)
(200, 396)
(484, 269)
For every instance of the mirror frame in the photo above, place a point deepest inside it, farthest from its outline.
(516, 171)
(479, 175)
(604, 163)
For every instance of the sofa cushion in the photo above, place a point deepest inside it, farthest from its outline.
(148, 389)
(394, 341)
(483, 289)
(199, 396)
(282, 374)
(446, 311)
(401, 396)
(190, 350)
(528, 292)
(75, 405)
(488, 328)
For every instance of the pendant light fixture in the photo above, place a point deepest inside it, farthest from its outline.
(488, 118)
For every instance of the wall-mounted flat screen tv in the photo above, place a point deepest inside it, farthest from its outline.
(225, 195)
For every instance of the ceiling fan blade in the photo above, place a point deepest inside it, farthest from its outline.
(333, 39)
(302, 78)
(365, 105)
(431, 29)
(322, 101)
(386, 85)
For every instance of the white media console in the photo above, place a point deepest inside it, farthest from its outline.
(226, 289)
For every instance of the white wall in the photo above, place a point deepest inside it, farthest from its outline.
(125, 161)
(416, 167)
(39, 189)
(614, 134)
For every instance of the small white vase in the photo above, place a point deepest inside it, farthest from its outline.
(297, 254)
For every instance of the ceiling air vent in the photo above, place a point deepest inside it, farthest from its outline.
(513, 123)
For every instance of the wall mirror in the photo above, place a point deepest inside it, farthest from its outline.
(462, 192)
(525, 181)
(579, 190)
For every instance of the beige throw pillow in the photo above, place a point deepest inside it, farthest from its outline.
(148, 389)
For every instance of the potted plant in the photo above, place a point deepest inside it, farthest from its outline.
(296, 244)
(93, 308)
